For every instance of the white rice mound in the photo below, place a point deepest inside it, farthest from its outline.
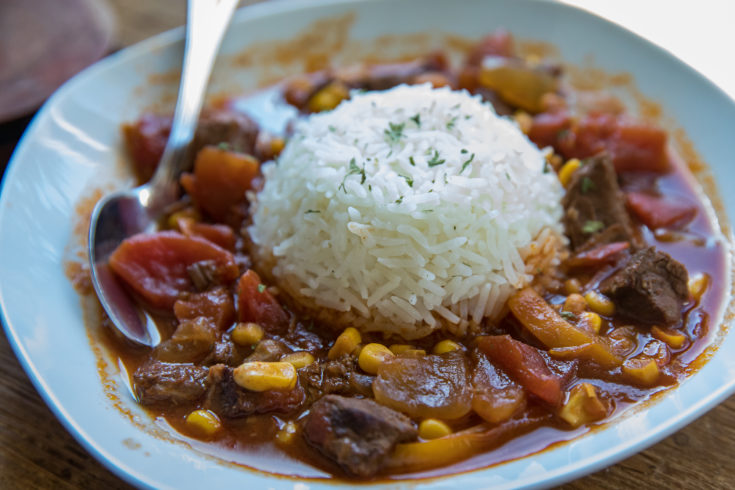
(430, 223)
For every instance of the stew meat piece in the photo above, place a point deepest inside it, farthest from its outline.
(340, 376)
(594, 205)
(651, 288)
(171, 384)
(228, 399)
(357, 434)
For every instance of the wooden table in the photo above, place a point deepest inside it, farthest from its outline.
(36, 451)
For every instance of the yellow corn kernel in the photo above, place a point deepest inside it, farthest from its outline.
(264, 376)
(184, 214)
(582, 406)
(287, 433)
(372, 356)
(641, 370)
(575, 303)
(591, 320)
(599, 303)
(572, 286)
(524, 120)
(675, 340)
(698, 285)
(400, 348)
(346, 343)
(565, 174)
(433, 429)
(298, 359)
(247, 334)
(203, 423)
(328, 97)
(445, 346)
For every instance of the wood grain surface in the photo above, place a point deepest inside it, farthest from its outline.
(36, 451)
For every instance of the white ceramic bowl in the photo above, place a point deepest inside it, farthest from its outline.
(74, 145)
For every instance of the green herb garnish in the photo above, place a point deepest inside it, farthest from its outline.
(353, 170)
(434, 161)
(225, 146)
(412, 161)
(593, 226)
(310, 211)
(466, 163)
(409, 180)
(394, 132)
(417, 119)
(568, 315)
(399, 200)
(452, 122)
(587, 185)
(261, 288)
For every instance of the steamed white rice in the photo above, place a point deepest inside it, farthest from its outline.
(406, 211)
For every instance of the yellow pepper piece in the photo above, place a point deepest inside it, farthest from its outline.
(594, 351)
(264, 376)
(599, 303)
(445, 346)
(203, 423)
(675, 340)
(372, 356)
(247, 334)
(641, 370)
(433, 429)
(565, 174)
(287, 433)
(698, 285)
(298, 359)
(400, 348)
(346, 343)
(583, 406)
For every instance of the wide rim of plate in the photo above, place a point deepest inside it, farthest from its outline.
(168, 40)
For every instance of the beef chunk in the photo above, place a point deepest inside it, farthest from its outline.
(221, 126)
(192, 341)
(172, 384)
(651, 288)
(269, 350)
(357, 434)
(594, 205)
(340, 376)
(226, 352)
(228, 399)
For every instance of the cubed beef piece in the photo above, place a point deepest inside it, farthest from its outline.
(228, 399)
(227, 352)
(192, 341)
(269, 350)
(594, 205)
(357, 434)
(339, 375)
(650, 288)
(171, 384)
(235, 129)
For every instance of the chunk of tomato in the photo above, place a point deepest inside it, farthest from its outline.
(155, 265)
(256, 304)
(656, 212)
(220, 180)
(220, 234)
(524, 364)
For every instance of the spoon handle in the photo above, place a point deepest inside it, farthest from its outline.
(206, 23)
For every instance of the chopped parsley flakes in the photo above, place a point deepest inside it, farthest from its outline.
(593, 226)
(261, 288)
(394, 132)
(467, 162)
(434, 161)
(587, 185)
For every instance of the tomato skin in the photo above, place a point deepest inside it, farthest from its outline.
(216, 305)
(255, 304)
(155, 265)
(656, 212)
(220, 180)
(598, 256)
(550, 129)
(524, 364)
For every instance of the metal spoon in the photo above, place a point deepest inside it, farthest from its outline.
(126, 213)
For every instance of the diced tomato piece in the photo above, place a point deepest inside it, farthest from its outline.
(525, 364)
(639, 146)
(220, 180)
(222, 235)
(656, 212)
(592, 135)
(216, 305)
(550, 129)
(598, 256)
(155, 265)
(255, 304)
(499, 43)
(146, 140)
